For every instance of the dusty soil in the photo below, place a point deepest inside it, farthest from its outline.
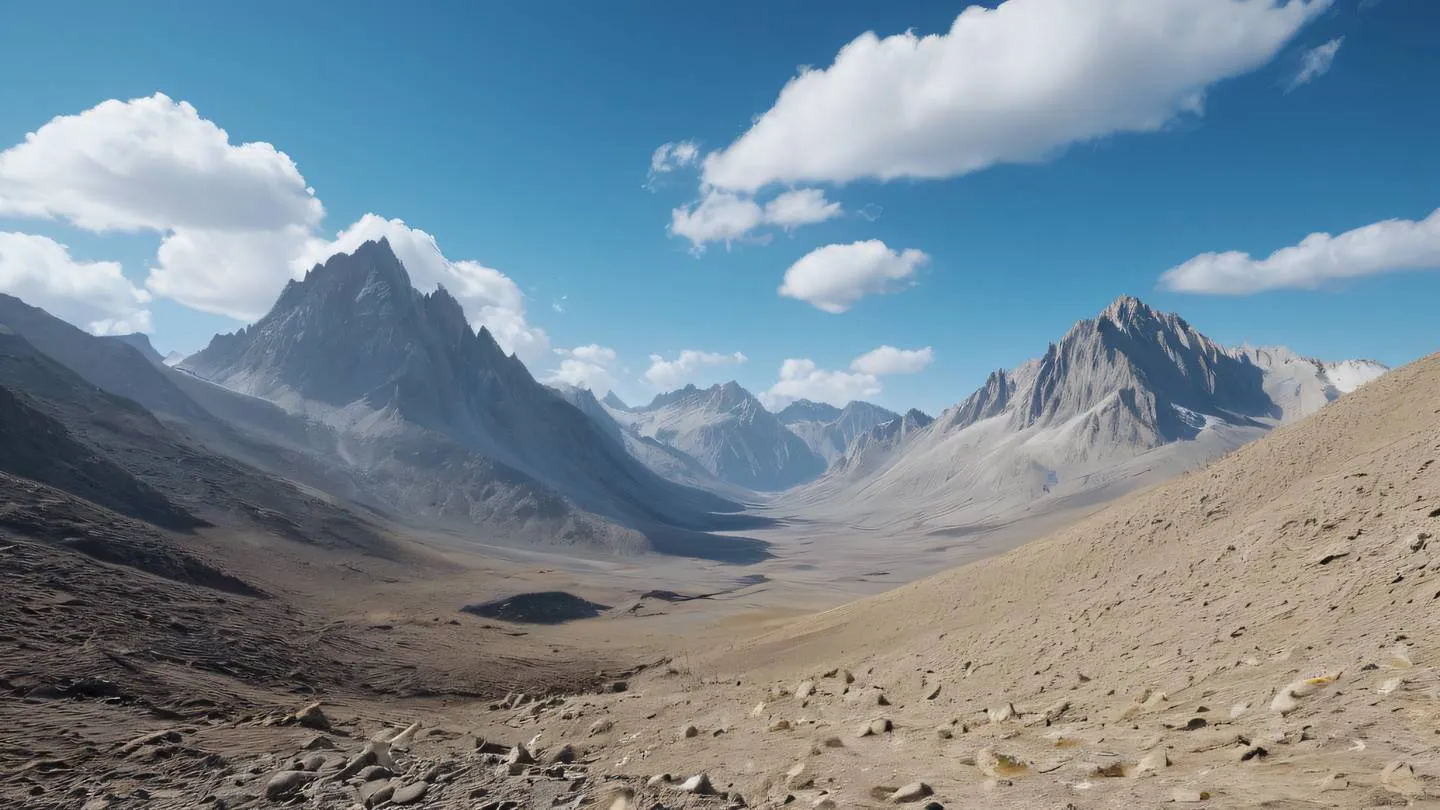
(1261, 632)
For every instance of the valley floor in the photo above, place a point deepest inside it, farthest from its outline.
(1259, 632)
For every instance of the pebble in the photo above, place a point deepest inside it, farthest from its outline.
(699, 784)
(409, 794)
(913, 792)
(312, 717)
(601, 727)
(798, 777)
(804, 690)
(1156, 760)
(285, 783)
(780, 725)
(376, 792)
(1003, 713)
(689, 732)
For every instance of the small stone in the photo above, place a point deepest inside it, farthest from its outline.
(998, 765)
(1003, 713)
(601, 727)
(780, 725)
(409, 794)
(933, 693)
(1056, 710)
(563, 755)
(1417, 540)
(318, 743)
(619, 686)
(1288, 698)
(518, 760)
(833, 742)
(1189, 795)
(659, 779)
(312, 717)
(689, 732)
(1114, 770)
(313, 763)
(285, 783)
(798, 777)
(374, 772)
(1156, 760)
(913, 792)
(804, 690)
(376, 792)
(699, 784)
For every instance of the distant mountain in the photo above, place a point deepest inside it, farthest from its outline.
(1127, 397)
(615, 402)
(449, 426)
(174, 359)
(729, 433)
(141, 342)
(804, 410)
(829, 431)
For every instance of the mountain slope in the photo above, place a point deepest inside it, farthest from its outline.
(1167, 629)
(1124, 399)
(829, 431)
(418, 397)
(731, 435)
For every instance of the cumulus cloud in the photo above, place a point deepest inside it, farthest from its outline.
(94, 295)
(800, 378)
(490, 298)
(591, 367)
(237, 221)
(1012, 84)
(832, 278)
(802, 206)
(1382, 247)
(151, 164)
(722, 216)
(667, 375)
(890, 360)
(1316, 62)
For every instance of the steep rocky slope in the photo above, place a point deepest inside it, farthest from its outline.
(1122, 400)
(830, 431)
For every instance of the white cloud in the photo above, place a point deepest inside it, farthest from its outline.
(1382, 247)
(237, 221)
(151, 164)
(591, 367)
(803, 206)
(832, 278)
(722, 216)
(802, 379)
(95, 295)
(1012, 84)
(671, 156)
(890, 360)
(718, 217)
(490, 298)
(1316, 62)
(667, 375)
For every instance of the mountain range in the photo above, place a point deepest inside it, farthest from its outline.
(360, 390)
(1123, 399)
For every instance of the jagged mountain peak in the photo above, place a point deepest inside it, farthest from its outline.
(611, 400)
(805, 410)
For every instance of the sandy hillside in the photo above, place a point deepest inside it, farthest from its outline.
(1167, 627)
(1259, 632)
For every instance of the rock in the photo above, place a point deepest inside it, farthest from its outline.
(998, 765)
(780, 725)
(945, 733)
(699, 784)
(563, 755)
(804, 690)
(933, 693)
(601, 727)
(1245, 753)
(314, 763)
(1055, 710)
(880, 725)
(934, 806)
(1156, 760)
(1288, 698)
(312, 717)
(374, 772)
(1189, 795)
(833, 742)
(1332, 553)
(376, 792)
(1003, 713)
(518, 760)
(689, 732)
(409, 794)
(913, 792)
(659, 779)
(1113, 770)
(285, 783)
(1417, 540)
(798, 777)
(1390, 686)
(759, 710)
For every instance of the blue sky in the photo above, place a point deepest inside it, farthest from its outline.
(519, 135)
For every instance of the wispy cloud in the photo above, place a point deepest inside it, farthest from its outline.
(1315, 63)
